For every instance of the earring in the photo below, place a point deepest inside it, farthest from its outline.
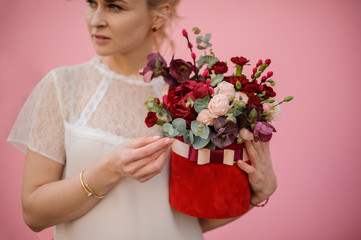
(154, 29)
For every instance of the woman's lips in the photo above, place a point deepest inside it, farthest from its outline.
(100, 39)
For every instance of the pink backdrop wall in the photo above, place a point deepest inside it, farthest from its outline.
(315, 49)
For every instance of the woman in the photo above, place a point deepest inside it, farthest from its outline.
(87, 170)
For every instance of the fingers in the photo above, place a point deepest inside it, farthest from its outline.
(153, 168)
(134, 166)
(252, 152)
(150, 149)
(246, 167)
(141, 142)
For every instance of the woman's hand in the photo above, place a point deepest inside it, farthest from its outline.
(260, 173)
(141, 158)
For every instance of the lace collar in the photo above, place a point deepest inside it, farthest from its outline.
(103, 69)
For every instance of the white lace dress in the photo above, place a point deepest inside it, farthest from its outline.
(78, 114)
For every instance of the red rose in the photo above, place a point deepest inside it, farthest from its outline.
(219, 68)
(241, 61)
(151, 119)
(250, 88)
(269, 91)
(176, 100)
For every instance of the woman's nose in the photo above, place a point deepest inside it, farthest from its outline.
(98, 18)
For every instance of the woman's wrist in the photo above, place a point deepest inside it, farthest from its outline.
(102, 176)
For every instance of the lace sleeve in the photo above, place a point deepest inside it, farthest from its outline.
(40, 125)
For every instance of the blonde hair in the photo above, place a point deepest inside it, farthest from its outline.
(164, 33)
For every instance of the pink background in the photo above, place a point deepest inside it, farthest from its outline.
(315, 49)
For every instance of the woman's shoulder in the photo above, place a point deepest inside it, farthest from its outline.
(70, 70)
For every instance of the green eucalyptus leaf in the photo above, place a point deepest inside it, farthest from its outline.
(201, 61)
(217, 80)
(200, 142)
(200, 47)
(198, 128)
(167, 127)
(206, 132)
(199, 39)
(180, 125)
(194, 127)
(212, 61)
(210, 146)
(201, 103)
(188, 137)
(171, 131)
(207, 37)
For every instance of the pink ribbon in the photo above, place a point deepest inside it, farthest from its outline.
(204, 156)
(215, 156)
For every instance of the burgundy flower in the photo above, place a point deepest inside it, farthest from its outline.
(243, 80)
(219, 68)
(151, 119)
(226, 132)
(176, 100)
(255, 101)
(241, 61)
(156, 67)
(263, 131)
(250, 88)
(269, 91)
(241, 120)
(180, 70)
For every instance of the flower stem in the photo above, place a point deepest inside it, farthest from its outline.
(194, 60)
(239, 70)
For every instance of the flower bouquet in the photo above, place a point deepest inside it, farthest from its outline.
(211, 114)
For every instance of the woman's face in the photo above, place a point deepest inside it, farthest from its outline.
(119, 26)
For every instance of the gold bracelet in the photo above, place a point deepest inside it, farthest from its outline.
(87, 189)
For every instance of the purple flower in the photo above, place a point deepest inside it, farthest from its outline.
(180, 70)
(156, 67)
(263, 131)
(226, 132)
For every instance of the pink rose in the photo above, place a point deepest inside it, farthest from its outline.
(246, 134)
(225, 88)
(240, 96)
(219, 105)
(206, 117)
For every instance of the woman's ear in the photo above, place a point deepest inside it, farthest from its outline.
(161, 15)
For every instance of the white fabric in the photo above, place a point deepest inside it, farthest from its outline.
(78, 114)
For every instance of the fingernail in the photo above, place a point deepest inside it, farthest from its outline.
(169, 140)
(156, 137)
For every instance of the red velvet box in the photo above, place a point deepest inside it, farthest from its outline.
(213, 190)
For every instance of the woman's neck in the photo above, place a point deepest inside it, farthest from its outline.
(127, 64)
